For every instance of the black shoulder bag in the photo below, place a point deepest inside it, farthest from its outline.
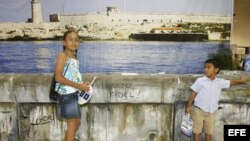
(53, 95)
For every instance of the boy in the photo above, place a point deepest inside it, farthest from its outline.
(205, 95)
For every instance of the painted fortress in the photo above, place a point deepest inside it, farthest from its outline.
(111, 24)
(113, 17)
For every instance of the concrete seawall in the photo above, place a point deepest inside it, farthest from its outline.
(123, 108)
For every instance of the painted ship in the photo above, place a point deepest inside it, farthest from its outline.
(169, 34)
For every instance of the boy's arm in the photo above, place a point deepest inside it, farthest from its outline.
(243, 79)
(190, 102)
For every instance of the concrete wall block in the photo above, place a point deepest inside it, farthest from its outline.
(183, 95)
(116, 88)
(8, 122)
(169, 89)
(178, 113)
(39, 122)
(6, 87)
(131, 107)
(183, 87)
(85, 129)
(32, 88)
(99, 122)
(123, 122)
(185, 81)
(231, 113)
(239, 95)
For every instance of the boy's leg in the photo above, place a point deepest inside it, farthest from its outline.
(198, 118)
(209, 126)
(197, 137)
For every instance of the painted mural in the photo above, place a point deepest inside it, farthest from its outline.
(146, 54)
(116, 36)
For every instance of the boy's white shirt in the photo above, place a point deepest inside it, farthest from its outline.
(208, 92)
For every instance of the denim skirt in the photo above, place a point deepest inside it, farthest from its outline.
(68, 107)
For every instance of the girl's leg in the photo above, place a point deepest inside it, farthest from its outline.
(196, 137)
(72, 126)
(208, 137)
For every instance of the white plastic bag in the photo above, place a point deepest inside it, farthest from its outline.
(84, 97)
(186, 125)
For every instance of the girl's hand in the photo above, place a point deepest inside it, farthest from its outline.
(84, 87)
(86, 83)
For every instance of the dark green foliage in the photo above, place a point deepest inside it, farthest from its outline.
(224, 56)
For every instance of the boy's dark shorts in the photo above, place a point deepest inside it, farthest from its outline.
(68, 107)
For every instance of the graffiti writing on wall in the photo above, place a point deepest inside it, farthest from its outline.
(41, 114)
(124, 95)
(117, 85)
(122, 91)
(43, 120)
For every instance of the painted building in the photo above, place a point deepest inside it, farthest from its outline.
(36, 11)
(113, 16)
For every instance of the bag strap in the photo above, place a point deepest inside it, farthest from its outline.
(63, 74)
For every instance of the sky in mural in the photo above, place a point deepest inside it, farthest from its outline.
(20, 10)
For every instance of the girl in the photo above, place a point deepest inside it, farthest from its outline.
(69, 82)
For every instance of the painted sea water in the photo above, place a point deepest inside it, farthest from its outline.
(109, 56)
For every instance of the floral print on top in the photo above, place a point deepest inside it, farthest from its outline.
(73, 74)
